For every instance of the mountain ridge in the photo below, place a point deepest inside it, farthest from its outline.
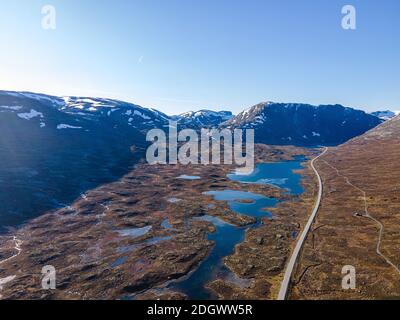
(143, 118)
(54, 148)
(360, 218)
(303, 124)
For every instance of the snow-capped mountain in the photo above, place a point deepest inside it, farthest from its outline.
(113, 112)
(52, 148)
(385, 115)
(202, 119)
(303, 124)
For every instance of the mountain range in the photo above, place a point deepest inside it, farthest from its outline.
(274, 123)
(358, 221)
(55, 148)
(303, 124)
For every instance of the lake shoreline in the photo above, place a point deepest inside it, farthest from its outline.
(85, 240)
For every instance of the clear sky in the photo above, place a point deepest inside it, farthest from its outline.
(179, 55)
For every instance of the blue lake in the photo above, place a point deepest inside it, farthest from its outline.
(235, 200)
(186, 177)
(279, 174)
(227, 236)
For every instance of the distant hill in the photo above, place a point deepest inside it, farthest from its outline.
(202, 119)
(303, 124)
(385, 115)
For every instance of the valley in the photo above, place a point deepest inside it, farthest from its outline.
(358, 220)
(199, 158)
(78, 195)
(116, 242)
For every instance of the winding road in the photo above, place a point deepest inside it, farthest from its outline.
(293, 259)
(368, 215)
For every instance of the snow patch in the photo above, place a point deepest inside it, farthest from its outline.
(138, 113)
(13, 108)
(30, 115)
(77, 106)
(66, 126)
(66, 99)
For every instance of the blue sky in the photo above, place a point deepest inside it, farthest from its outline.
(179, 55)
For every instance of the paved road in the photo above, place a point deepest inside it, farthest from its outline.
(292, 262)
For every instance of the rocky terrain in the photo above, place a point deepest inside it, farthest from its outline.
(129, 239)
(54, 148)
(358, 222)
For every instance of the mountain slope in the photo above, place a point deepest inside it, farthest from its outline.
(353, 228)
(202, 119)
(385, 115)
(114, 112)
(51, 151)
(303, 124)
(54, 148)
